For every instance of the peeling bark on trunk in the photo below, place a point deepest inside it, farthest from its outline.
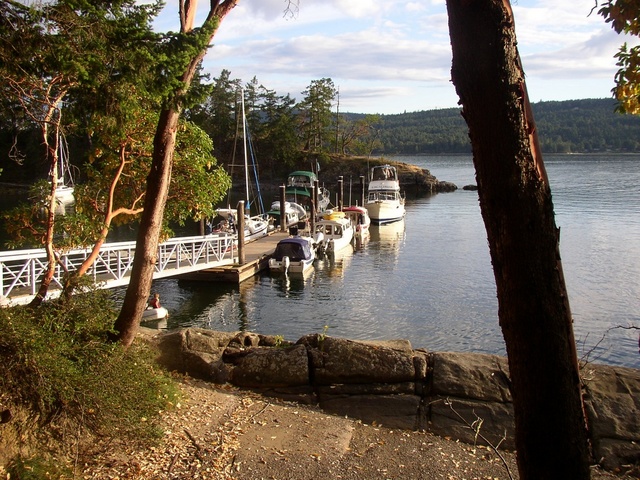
(516, 205)
(52, 155)
(145, 259)
(159, 178)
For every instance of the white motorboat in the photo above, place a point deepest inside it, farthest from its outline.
(298, 190)
(333, 231)
(360, 219)
(293, 255)
(294, 213)
(385, 204)
(254, 227)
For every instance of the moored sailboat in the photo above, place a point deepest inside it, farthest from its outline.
(65, 188)
(255, 226)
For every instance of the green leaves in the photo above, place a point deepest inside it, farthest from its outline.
(624, 17)
(197, 183)
(316, 115)
(56, 362)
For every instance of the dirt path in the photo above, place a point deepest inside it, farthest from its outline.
(225, 433)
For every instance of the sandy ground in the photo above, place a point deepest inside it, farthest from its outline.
(225, 433)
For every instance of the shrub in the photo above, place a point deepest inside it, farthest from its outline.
(57, 362)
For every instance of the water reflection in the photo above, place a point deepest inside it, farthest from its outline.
(390, 236)
(335, 263)
(288, 285)
(430, 281)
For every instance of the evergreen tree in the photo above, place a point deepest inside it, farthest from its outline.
(315, 115)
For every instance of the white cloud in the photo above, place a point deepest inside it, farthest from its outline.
(414, 7)
(388, 57)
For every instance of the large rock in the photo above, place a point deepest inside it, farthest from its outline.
(195, 351)
(337, 360)
(612, 401)
(470, 399)
(475, 422)
(471, 375)
(267, 367)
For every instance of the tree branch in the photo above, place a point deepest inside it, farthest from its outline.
(476, 426)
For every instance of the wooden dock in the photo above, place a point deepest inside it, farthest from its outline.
(257, 255)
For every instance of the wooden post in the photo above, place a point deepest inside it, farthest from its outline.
(283, 210)
(340, 192)
(312, 220)
(316, 185)
(240, 231)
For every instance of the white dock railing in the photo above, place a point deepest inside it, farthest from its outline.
(21, 270)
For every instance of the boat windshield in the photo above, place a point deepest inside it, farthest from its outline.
(299, 181)
(383, 173)
(383, 195)
(329, 230)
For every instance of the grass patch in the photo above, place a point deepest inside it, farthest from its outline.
(57, 364)
(37, 468)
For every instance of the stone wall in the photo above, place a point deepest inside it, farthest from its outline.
(464, 396)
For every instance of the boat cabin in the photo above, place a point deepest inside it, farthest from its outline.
(384, 196)
(296, 248)
(301, 179)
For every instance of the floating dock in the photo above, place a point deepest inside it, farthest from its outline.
(256, 253)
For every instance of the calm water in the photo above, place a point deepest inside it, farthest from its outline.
(429, 279)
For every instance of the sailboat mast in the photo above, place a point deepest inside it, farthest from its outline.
(246, 162)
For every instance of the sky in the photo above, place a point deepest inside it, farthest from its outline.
(392, 56)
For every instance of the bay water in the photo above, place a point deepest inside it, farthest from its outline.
(429, 279)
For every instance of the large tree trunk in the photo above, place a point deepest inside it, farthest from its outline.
(159, 178)
(135, 299)
(515, 200)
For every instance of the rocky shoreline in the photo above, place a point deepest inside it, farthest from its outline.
(413, 179)
(389, 383)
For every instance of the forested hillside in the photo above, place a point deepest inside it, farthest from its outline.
(282, 142)
(571, 126)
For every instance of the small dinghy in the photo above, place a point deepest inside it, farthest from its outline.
(154, 314)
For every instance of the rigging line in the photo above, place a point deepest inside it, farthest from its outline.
(65, 175)
(232, 165)
(255, 171)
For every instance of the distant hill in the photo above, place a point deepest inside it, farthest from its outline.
(572, 126)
